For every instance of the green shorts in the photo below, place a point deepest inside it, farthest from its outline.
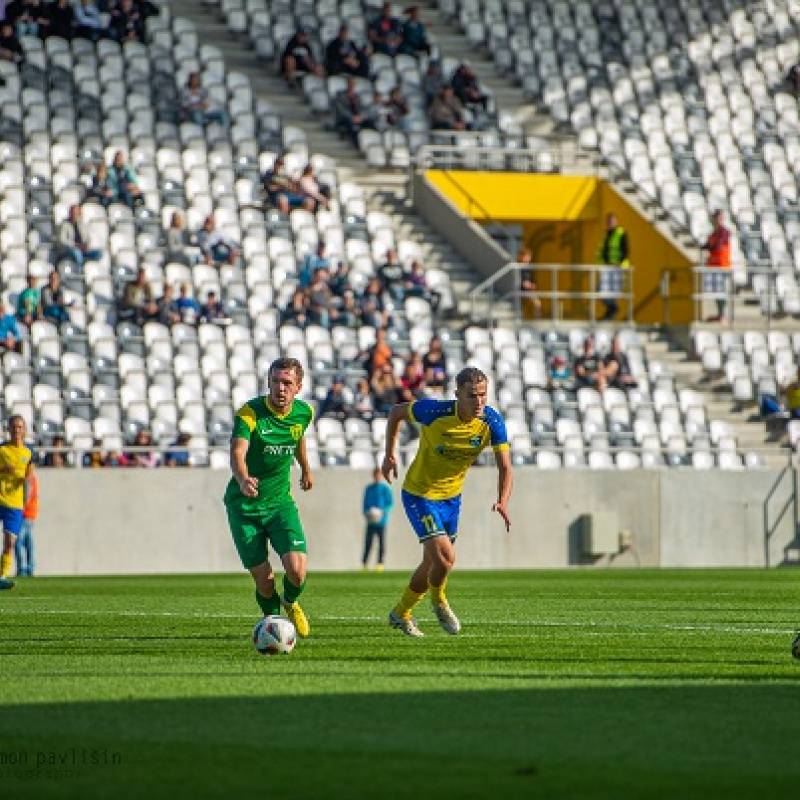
(251, 530)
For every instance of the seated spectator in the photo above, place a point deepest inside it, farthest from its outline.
(10, 340)
(296, 313)
(793, 79)
(188, 308)
(194, 103)
(138, 303)
(88, 21)
(29, 304)
(386, 32)
(385, 389)
(379, 355)
(348, 314)
(168, 312)
(140, 457)
(123, 181)
(466, 88)
(340, 281)
(93, 459)
(313, 191)
(344, 57)
(617, 368)
(320, 300)
(212, 311)
(434, 363)
(10, 47)
(178, 458)
(215, 246)
(446, 112)
(127, 23)
(101, 190)
(560, 375)
(73, 236)
(54, 303)
(56, 458)
(336, 403)
(180, 248)
(433, 82)
(392, 275)
(412, 381)
(396, 110)
(363, 402)
(113, 458)
(282, 191)
(311, 263)
(415, 37)
(589, 368)
(416, 285)
(29, 17)
(372, 308)
(350, 115)
(61, 19)
(298, 58)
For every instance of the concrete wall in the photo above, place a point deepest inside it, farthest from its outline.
(132, 521)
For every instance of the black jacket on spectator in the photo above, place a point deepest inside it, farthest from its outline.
(62, 20)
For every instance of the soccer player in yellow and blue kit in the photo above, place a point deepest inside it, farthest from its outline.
(454, 432)
(16, 464)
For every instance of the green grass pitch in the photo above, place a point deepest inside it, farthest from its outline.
(575, 684)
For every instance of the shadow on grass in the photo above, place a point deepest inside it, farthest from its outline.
(732, 741)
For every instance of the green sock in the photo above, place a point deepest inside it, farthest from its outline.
(270, 606)
(290, 591)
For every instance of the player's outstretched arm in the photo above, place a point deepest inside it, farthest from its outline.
(396, 417)
(505, 482)
(247, 484)
(306, 478)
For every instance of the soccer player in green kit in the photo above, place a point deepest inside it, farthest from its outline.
(267, 436)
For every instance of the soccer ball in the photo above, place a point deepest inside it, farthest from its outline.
(374, 514)
(273, 635)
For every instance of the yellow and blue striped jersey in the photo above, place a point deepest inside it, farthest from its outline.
(448, 447)
(12, 485)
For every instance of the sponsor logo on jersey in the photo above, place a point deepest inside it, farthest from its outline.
(279, 449)
(476, 441)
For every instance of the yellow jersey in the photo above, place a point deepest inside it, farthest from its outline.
(12, 485)
(448, 447)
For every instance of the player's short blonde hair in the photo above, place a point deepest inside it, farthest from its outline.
(287, 363)
(471, 375)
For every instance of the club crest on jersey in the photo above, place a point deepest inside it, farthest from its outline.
(475, 441)
(296, 431)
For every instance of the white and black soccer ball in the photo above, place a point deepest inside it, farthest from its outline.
(274, 635)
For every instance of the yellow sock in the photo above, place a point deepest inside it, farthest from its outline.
(437, 593)
(5, 565)
(410, 599)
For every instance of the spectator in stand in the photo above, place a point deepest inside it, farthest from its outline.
(793, 79)
(434, 363)
(372, 308)
(392, 275)
(61, 19)
(296, 312)
(54, 303)
(311, 264)
(30, 18)
(336, 403)
(137, 303)
(179, 458)
(412, 381)
(379, 355)
(340, 281)
(348, 314)
(168, 312)
(88, 21)
(188, 308)
(10, 340)
(416, 285)
(298, 59)
(55, 458)
(344, 57)
(386, 32)
(113, 458)
(194, 103)
(363, 401)
(617, 368)
(350, 115)
(139, 457)
(93, 459)
(588, 368)
(719, 256)
(212, 311)
(180, 249)
(29, 303)
(123, 181)
(320, 300)
(313, 191)
(215, 246)
(101, 190)
(73, 236)
(466, 88)
(385, 389)
(613, 252)
(560, 375)
(127, 23)
(446, 112)
(282, 191)
(415, 37)
(433, 82)
(10, 47)
(397, 110)
(530, 304)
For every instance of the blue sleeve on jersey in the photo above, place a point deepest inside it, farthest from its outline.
(497, 428)
(427, 410)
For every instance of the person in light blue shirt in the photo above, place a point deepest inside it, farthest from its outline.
(9, 332)
(378, 503)
(311, 263)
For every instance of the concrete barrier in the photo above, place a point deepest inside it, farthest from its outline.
(164, 521)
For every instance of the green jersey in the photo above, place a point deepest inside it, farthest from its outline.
(273, 439)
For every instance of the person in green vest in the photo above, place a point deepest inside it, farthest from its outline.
(613, 251)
